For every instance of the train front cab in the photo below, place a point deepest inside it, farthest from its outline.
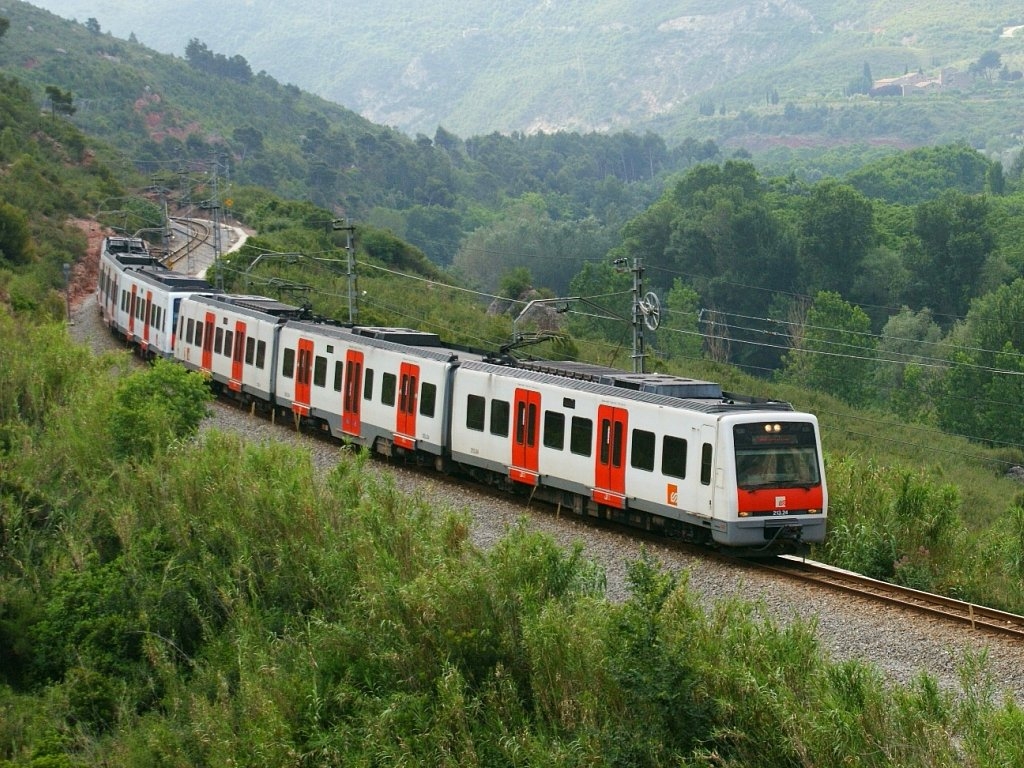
(769, 488)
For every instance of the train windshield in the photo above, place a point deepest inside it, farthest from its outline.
(776, 454)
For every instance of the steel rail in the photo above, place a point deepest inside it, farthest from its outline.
(978, 617)
(198, 233)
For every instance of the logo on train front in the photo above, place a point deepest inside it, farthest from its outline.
(780, 502)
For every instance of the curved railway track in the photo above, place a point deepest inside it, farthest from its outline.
(946, 608)
(197, 233)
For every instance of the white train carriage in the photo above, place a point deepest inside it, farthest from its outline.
(385, 388)
(233, 339)
(656, 451)
(139, 297)
(117, 255)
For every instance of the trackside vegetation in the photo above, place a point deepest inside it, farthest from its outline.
(203, 601)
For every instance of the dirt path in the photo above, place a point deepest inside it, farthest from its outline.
(85, 272)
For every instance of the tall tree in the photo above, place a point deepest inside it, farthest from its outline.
(980, 395)
(910, 360)
(61, 102)
(836, 231)
(954, 240)
(836, 350)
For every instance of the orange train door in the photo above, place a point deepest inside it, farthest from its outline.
(209, 324)
(352, 394)
(237, 356)
(408, 388)
(610, 470)
(303, 374)
(525, 443)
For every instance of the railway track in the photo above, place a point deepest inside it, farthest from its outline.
(946, 608)
(197, 233)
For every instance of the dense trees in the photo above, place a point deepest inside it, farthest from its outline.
(832, 350)
(836, 229)
(198, 55)
(901, 290)
(954, 242)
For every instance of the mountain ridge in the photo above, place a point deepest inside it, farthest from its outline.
(618, 65)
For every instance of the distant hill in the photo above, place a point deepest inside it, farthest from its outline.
(759, 74)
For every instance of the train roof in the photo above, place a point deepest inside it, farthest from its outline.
(424, 345)
(252, 304)
(665, 389)
(176, 282)
(655, 383)
(117, 244)
(611, 382)
(129, 251)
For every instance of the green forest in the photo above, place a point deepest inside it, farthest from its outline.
(174, 596)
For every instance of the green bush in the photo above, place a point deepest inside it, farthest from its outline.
(156, 407)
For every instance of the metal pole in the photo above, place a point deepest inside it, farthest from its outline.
(638, 324)
(353, 305)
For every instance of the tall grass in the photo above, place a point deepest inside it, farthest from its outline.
(216, 602)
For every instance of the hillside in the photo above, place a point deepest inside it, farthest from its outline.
(743, 71)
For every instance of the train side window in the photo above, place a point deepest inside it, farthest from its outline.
(124, 300)
(250, 350)
(617, 447)
(428, 399)
(368, 385)
(673, 457)
(475, 409)
(320, 371)
(229, 339)
(190, 328)
(705, 464)
(288, 363)
(339, 369)
(641, 455)
(581, 436)
(261, 354)
(388, 388)
(199, 334)
(218, 340)
(500, 415)
(554, 430)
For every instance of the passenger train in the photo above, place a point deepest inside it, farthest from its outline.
(661, 452)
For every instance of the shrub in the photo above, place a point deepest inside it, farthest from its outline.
(154, 408)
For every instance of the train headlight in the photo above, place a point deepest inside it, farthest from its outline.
(770, 428)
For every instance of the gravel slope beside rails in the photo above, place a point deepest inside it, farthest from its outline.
(901, 644)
